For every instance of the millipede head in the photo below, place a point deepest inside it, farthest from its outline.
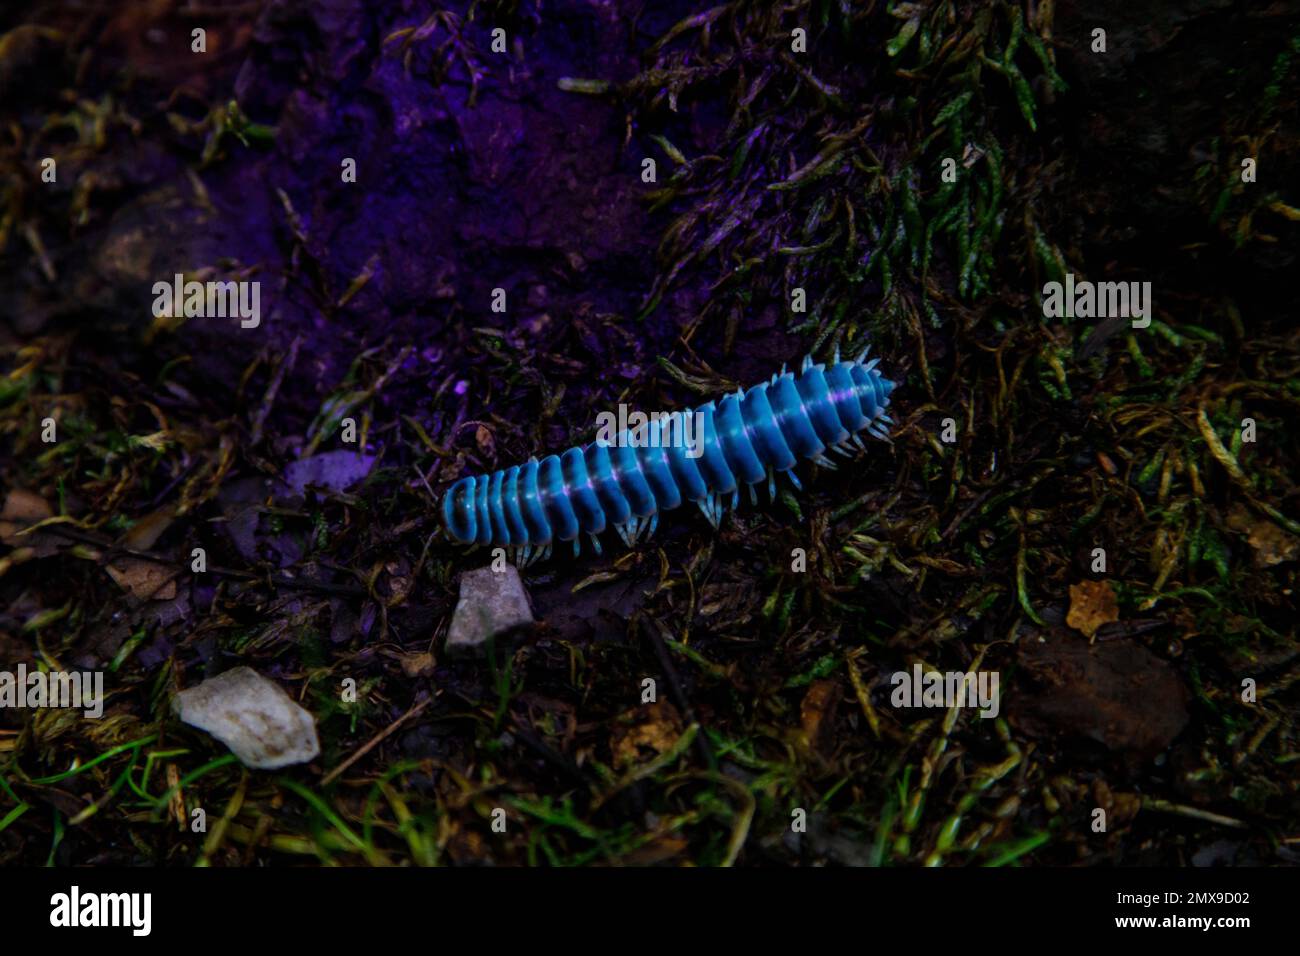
(872, 389)
(458, 511)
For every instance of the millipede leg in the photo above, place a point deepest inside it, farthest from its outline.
(577, 547)
(706, 508)
(771, 485)
(595, 542)
(794, 480)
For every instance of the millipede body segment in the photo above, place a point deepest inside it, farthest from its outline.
(745, 438)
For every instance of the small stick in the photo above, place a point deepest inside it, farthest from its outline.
(675, 689)
(374, 741)
(1154, 803)
(280, 580)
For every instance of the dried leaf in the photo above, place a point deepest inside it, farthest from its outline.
(21, 508)
(818, 704)
(1092, 604)
(145, 533)
(417, 665)
(143, 579)
(1271, 544)
(657, 729)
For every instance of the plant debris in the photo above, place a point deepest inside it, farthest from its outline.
(190, 497)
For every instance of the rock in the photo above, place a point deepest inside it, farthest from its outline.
(335, 470)
(253, 717)
(1117, 693)
(491, 604)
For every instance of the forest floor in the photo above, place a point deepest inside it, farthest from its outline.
(1106, 517)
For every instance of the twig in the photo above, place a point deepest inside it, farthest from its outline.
(675, 688)
(279, 580)
(374, 741)
(1154, 803)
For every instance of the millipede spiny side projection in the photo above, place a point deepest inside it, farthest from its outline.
(748, 437)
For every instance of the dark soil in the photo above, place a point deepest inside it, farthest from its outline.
(776, 170)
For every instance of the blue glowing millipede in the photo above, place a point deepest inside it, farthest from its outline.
(747, 437)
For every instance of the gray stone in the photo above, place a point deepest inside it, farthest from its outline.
(253, 717)
(335, 470)
(491, 604)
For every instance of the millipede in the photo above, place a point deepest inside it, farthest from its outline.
(748, 437)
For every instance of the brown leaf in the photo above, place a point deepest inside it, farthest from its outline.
(145, 533)
(143, 579)
(1271, 544)
(176, 806)
(22, 508)
(26, 507)
(399, 582)
(818, 704)
(656, 729)
(417, 665)
(656, 851)
(1092, 604)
